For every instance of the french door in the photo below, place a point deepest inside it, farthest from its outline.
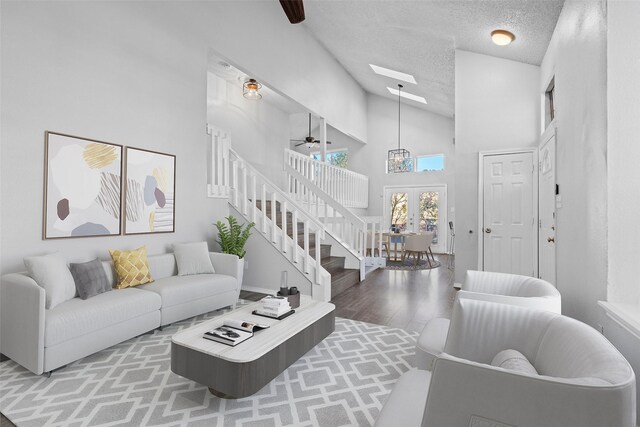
(418, 210)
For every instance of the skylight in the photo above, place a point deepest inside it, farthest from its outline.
(393, 74)
(408, 95)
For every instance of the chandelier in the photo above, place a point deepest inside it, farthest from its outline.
(398, 160)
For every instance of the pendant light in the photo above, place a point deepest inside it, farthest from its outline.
(251, 89)
(399, 160)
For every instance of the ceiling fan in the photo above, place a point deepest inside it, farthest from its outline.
(309, 140)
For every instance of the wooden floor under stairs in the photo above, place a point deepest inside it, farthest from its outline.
(341, 278)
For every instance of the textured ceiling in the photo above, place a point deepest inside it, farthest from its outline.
(420, 37)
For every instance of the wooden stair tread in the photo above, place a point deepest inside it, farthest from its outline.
(341, 278)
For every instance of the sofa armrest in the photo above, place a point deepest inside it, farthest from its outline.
(461, 389)
(22, 313)
(226, 264)
(550, 303)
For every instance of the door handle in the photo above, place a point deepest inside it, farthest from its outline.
(487, 230)
(551, 239)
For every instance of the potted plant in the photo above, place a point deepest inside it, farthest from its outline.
(232, 239)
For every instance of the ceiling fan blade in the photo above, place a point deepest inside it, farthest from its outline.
(294, 9)
(317, 141)
(299, 144)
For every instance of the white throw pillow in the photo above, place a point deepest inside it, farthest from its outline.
(193, 258)
(52, 274)
(515, 361)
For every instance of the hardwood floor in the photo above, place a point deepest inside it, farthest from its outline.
(396, 298)
(4, 422)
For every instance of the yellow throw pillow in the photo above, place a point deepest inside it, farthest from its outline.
(131, 267)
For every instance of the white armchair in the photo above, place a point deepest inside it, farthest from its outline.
(583, 380)
(504, 288)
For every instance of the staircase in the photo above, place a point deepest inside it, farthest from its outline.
(308, 221)
(327, 192)
(341, 278)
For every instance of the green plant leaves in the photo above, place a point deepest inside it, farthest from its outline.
(232, 238)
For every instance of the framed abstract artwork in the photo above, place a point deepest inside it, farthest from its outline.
(149, 192)
(82, 187)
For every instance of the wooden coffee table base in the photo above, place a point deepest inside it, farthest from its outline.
(228, 379)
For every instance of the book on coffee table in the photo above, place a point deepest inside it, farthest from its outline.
(233, 332)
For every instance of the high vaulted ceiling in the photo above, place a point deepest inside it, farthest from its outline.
(420, 38)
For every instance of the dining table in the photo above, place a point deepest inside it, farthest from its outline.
(396, 239)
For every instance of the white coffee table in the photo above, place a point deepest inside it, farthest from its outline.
(240, 371)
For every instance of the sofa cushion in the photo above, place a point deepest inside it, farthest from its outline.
(77, 317)
(193, 258)
(176, 290)
(514, 361)
(52, 274)
(162, 266)
(90, 278)
(131, 267)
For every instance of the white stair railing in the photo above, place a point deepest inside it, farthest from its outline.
(374, 240)
(251, 193)
(350, 189)
(346, 227)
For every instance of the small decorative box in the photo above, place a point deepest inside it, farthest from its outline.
(294, 300)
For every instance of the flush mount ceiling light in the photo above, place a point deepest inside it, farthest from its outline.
(393, 74)
(407, 95)
(502, 37)
(398, 160)
(251, 89)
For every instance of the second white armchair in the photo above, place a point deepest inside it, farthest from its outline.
(504, 288)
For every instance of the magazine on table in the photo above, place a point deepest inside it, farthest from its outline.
(233, 332)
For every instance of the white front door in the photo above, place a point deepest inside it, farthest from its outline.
(418, 209)
(508, 215)
(547, 207)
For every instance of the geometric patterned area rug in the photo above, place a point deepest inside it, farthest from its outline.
(343, 381)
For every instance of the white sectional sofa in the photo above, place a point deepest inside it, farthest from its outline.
(42, 340)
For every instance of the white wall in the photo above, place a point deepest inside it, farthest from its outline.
(134, 73)
(64, 70)
(623, 150)
(259, 131)
(623, 180)
(422, 133)
(283, 56)
(497, 107)
(577, 56)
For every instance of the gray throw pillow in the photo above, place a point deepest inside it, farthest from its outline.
(90, 278)
(52, 274)
(193, 258)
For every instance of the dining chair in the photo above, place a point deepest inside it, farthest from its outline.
(375, 238)
(417, 245)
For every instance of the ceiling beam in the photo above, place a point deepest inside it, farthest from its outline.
(294, 9)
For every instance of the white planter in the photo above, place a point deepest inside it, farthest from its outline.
(240, 271)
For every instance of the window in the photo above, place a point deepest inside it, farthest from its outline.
(549, 103)
(335, 158)
(430, 163)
